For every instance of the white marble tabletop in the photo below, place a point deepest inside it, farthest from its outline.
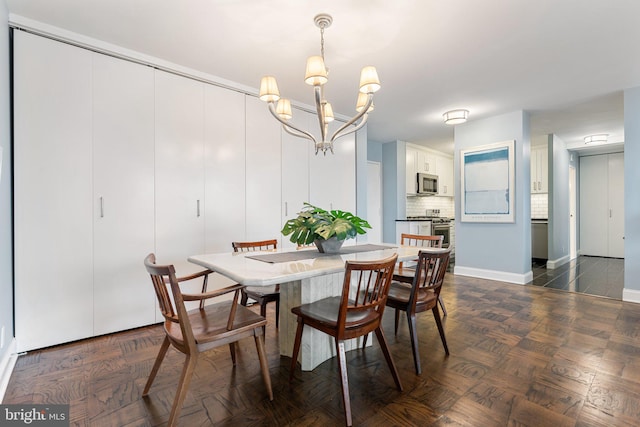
(251, 272)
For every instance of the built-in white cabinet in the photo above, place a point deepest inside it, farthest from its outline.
(263, 160)
(602, 205)
(422, 228)
(123, 197)
(53, 194)
(114, 160)
(224, 169)
(419, 160)
(539, 170)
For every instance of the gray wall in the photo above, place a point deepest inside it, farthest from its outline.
(6, 240)
(504, 248)
(558, 161)
(632, 192)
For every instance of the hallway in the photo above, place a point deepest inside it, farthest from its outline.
(585, 274)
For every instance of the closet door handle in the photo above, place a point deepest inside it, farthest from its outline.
(286, 208)
(198, 208)
(101, 207)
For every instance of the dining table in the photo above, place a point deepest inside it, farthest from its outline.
(304, 276)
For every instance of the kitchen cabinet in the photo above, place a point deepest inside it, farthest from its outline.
(123, 199)
(539, 170)
(53, 194)
(422, 161)
(412, 227)
(602, 205)
(444, 170)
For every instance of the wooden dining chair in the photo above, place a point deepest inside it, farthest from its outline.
(261, 294)
(421, 295)
(195, 331)
(355, 313)
(404, 273)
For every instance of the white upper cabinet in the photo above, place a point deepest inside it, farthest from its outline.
(426, 162)
(179, 167)
(411, 171)
(123, 179)
(263, 160)
(539, 169)
(422, 161)
(444, 170)
(224, 134)
(53, 194)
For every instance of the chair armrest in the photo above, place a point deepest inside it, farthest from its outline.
(212, 294)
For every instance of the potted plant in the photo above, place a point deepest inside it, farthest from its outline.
(327, 229)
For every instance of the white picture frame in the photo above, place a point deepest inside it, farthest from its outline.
(487, 179)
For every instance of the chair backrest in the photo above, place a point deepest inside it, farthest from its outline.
(430, 271)
(261, 245)
(365, 289)
(420, 240)
(173, 309)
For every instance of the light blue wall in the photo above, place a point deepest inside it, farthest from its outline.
(500, 248)
(393, 188)
(374, 152)
(6, 239)
(361, 172)
(558, 161)
(632, 191)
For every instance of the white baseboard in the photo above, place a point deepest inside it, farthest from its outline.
(6, 367)
(630, 295)
(551, 264)
(501, 276)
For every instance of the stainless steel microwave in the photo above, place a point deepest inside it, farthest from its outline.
(427, 184)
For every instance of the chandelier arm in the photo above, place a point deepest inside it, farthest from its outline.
(320, 111)
(287, 126)
(355, 118)
(350, 129)
(298, 132)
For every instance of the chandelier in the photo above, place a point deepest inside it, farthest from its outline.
(316, 75)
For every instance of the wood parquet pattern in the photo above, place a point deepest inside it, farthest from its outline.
(520, 356)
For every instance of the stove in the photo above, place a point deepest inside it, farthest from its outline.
(433, 219)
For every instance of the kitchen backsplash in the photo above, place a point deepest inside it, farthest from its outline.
(417, 206)
(539, 206)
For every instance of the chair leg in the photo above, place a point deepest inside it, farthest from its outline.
(413, 333)
(344, 381)
(364, 340)
(441, 302)
(397, 315)
(183, 386)
(387, 355)
(232, 350)
(296, 348)
(436, 315)
(156, 365)
(277, 311)
(263, 313)
(244, 298)
(264, 365)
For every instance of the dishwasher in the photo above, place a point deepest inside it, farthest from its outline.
(539, 238)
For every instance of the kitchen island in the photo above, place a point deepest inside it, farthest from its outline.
(301, 281)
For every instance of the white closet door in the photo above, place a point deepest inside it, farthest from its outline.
(224, 168)
(295, 172)
(594, 210)
(263, 162)
(616, 205)
(179, 167)
(52, 192)
(123, 170)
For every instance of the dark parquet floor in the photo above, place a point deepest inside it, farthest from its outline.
(520, 356)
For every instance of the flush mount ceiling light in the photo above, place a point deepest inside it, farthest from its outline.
(455, 117)
(317, 75)
(599, 138)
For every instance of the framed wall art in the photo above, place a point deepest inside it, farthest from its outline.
(488, 183)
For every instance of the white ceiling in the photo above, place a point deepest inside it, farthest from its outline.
(565, 61)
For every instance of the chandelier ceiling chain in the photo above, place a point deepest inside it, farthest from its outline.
(317, 75)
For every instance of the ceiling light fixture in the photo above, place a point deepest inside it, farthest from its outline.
(599, 138)
(317, 75)
(455, 117)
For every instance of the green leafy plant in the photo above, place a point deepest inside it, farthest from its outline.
(314, 223)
